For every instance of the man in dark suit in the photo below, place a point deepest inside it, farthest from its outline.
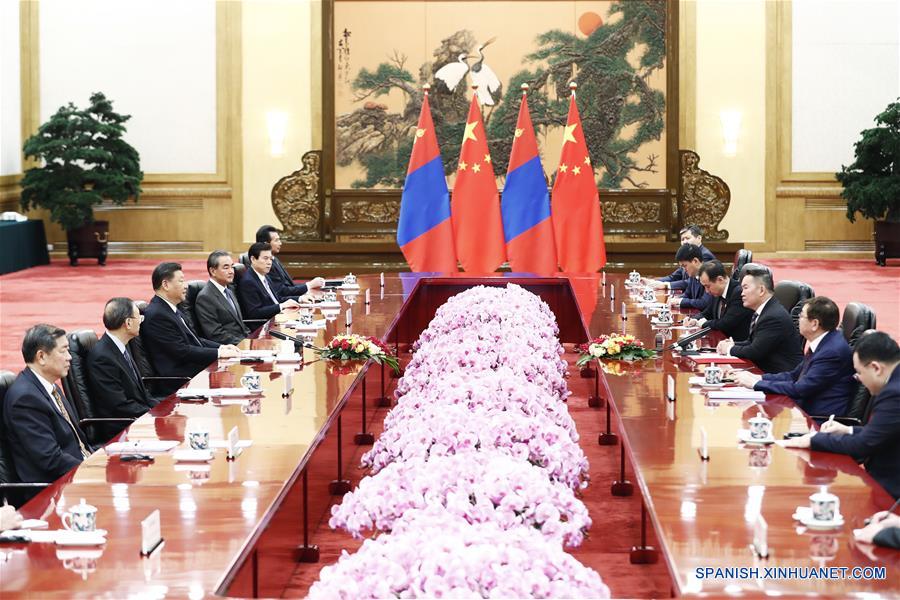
(280, 280)
(877, 443)
(774, 345)
(679, 279)
(823, 383)
(726, 311)
(258, 297)
(39, 422)
(217, 309)
(116, 386)
(173, 348)
(695, 295)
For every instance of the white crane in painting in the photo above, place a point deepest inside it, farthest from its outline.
(482, 75)
(452, 73)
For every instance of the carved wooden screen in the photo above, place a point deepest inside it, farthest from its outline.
(378, 55)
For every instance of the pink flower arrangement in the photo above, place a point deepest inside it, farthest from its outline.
(433, 553)
(472, 485)
(481, 487)
(447, 429)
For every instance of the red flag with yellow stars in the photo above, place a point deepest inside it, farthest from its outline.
(577, 224)
(475, 205)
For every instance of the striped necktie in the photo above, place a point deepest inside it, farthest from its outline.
(61, 406)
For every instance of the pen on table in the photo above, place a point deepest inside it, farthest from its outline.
(887, 512)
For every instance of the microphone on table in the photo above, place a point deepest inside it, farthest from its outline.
(283, 336)
(683, 342)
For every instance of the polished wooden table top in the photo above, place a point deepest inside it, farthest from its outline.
(704, 511)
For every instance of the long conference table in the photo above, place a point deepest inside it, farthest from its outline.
(239, 528)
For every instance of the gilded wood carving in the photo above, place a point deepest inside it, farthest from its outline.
(705, 198)
(297, 200)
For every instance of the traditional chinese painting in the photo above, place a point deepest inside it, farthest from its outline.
(385, 52)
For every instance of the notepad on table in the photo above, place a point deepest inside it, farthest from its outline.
(236, 392)
(140, 446)
(736, 393)
(711, 357)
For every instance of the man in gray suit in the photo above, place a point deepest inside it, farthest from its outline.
(218, 311)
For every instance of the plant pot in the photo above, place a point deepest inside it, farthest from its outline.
(887, 241)
(88, 241)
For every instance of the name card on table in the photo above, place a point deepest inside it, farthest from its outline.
(704, 444)
(624, 314)
(368, 296)
(760, 537)
(349, 317)
(151, 534)
(382, 281)
(670, 388)
(602, 277)
(233, 441)
(612, 291)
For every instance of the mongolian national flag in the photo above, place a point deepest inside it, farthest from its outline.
(477, 224)
(577, 223)
(526, 204)
(424, 232)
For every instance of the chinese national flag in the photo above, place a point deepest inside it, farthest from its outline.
(475, 205)
(577, 224)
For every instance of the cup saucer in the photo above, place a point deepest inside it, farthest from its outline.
(744, 436)
(806, 519)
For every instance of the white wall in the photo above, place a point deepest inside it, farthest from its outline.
(845, 69)
(155, 59)
(277, 76)
(731, 75)
(10, 91)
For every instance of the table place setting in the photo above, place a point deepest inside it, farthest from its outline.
(79, 529)
(760, 431)
(823, 511)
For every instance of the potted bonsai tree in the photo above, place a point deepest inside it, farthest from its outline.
(872, 182)
(82, 160)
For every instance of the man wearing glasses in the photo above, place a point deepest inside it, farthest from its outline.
(115, 383)
(822, 384)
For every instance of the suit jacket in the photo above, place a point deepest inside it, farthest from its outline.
(174, 350)
(215, 318)
(774, 345)
(877, 443)
(822, 383)
(116, 388)
(255, 300)
(889, 537)
(735, 319)
(679, 277)
(282, 283)
(695, 296)
(42, 443)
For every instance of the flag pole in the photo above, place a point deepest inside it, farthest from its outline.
(573, 86)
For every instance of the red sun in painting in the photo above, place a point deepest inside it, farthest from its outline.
(589, 22)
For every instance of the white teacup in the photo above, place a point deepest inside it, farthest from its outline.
(251, 382)
(80, 517)
(305, 318)
(350, 279)
(330, 296)
(712, 374)
(649, 295)
(825, 506)
(691, 347)
(198, 438)
(664, 315)
(760, 428)
(634, 277)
